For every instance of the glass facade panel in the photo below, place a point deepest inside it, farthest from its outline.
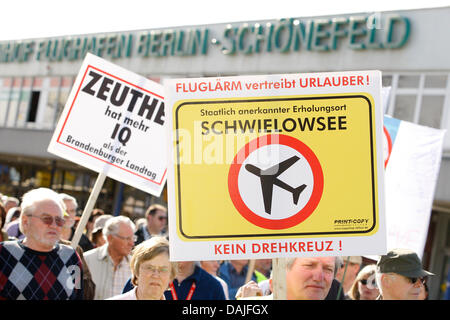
(386, 81)
(24, 102)
(62, 99)
(407, 81)
(50, 109)
(14, 103)
(4, 98)
(431, 111)
(432, 81)
(49, 102)
(404, 107)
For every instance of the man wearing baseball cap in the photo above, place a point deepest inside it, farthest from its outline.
(399, 274)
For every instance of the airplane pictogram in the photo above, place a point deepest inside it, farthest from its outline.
(269, 178)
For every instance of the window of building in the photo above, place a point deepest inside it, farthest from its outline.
(419, 98)
(5, 88)
(51, 103)
(408, 81)
(432, 110)
(404, 107)
(66, 85)
(33, 108)
(386, 81)
(433, 81)
(23, 102)
(13, 103)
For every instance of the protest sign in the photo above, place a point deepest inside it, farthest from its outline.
(113, 123)
(412, 161)
(275, 166)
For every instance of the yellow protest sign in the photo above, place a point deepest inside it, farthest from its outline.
(263, 168)
(330, 140)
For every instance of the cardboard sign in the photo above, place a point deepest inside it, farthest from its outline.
(276, 166)
(412, 169)
(113, 123)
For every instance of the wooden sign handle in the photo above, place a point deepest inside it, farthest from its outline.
(279, 278)
(88, 209)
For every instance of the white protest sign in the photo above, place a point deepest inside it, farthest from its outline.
(113, 123)
(412, 167)
(275, 166)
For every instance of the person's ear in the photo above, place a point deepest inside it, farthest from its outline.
(386, 280)
(109, 238)
(24, 221)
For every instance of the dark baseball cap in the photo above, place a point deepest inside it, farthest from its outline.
(404, 262)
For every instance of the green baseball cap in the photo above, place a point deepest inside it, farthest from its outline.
(404, 262)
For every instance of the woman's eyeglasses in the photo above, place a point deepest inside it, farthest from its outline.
(48, 220)
(156, 270)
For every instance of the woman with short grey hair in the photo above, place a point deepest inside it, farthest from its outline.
(151, 269)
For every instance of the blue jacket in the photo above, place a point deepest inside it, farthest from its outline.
(207, 287)
(234, 280)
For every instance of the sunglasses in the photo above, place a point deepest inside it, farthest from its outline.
(414, 279)
(48, 220)
(366, 282)
(162, 218)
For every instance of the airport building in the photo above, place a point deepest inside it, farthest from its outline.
(410, 47)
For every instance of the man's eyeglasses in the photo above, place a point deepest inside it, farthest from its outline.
(162, 218)
(132, 238)
(48, 220)
(156, 270)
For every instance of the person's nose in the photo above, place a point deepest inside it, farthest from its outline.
(318, 274)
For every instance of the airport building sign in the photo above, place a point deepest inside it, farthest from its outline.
(292, 35)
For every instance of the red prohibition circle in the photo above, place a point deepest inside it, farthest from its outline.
(295, 219)
(389, 141)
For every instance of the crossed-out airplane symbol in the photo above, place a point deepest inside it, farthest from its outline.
(269, 178)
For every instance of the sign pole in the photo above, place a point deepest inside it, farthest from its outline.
(279, 278)
(251, 268)
(341, 285)
(88, 209)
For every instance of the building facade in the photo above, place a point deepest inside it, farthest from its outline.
(409, 47)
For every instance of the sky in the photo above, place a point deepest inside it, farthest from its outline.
(26, 19)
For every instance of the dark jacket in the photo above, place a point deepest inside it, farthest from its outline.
(233, 280)
(207, 287)
(334, 290)
(140, 235)
(88, 284)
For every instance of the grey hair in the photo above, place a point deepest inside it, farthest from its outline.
(112, 225)
(66, 197)
(337, 263)
(13, 199)
(31, 198)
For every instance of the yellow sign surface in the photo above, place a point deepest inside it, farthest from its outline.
(266, 167)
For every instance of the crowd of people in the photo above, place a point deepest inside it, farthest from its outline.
(120, 259)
